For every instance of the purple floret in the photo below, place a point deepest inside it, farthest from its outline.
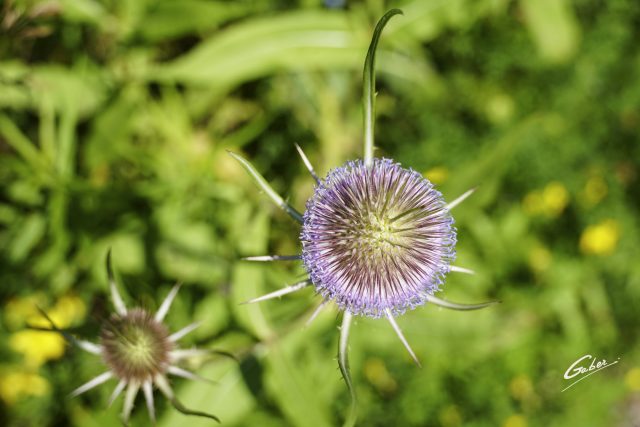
(377, 238)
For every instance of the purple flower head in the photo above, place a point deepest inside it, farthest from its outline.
(377, 238)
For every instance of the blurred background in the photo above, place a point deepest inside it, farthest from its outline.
(115, 118)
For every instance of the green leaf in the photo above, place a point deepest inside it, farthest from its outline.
(170, 19)
(28, 236)
(259, 46)
(295, 394)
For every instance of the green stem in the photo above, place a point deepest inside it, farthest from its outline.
(343, 362)
(369, 86)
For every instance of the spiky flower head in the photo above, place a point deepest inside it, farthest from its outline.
(139, 352)
(377, 238)
(136, 346)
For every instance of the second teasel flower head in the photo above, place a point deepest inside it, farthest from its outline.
(377, 238)
(135, 345)
(139, 352)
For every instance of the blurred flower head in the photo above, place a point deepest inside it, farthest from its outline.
(135, 345)
(551, 201)
(16, 383)
(600, 239)
(139, 352)
(437, 175)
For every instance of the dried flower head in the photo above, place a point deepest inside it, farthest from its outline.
(135, 345)
(139, 352)
(377, 238)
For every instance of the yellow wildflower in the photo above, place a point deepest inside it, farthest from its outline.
(38, 347)
(437, 175)
(521, 387)
(69, 309)
(15, 384)
(515, 421)
(554, 199)
(18, 310)
(632, 379)
(550, 201)
(450, 416)
(600, 239)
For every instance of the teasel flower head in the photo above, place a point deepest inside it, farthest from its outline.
(377, 238)
(139, 352)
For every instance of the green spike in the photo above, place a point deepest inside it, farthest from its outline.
(456, 306)
(264, 185)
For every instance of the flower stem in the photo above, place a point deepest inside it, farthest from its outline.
(369, 86)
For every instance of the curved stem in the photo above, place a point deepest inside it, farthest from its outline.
(369, 86)
(165, 388)
(343, 362)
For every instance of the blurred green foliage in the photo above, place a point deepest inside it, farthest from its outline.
(114, 121)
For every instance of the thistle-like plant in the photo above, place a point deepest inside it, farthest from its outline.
(377, 238)
(139, 352)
